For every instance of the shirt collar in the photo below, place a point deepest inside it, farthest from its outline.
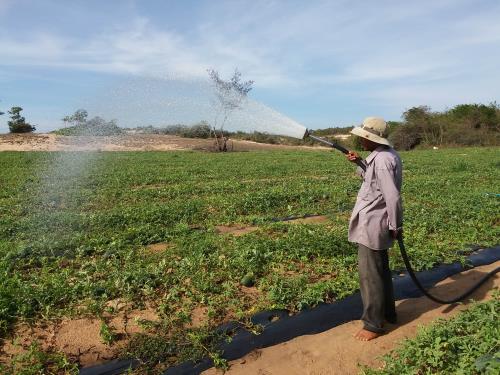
(374, 153)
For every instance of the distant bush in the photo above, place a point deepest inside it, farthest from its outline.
(351, 143)
(333, 131)
(405, 137)
(463, 125)
(199, 130)
(97, 126)
(261, 137)
(18, 124)
(476, 116)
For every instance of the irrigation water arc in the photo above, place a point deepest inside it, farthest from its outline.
(401, 244)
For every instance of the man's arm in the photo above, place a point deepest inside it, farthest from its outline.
(387, 183)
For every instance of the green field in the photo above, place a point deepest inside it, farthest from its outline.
(73, 240)
(468, 343)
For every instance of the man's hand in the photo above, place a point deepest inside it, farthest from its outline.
(396, 233)
(353, 156)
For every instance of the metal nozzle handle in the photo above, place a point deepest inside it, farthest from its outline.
(336, 146)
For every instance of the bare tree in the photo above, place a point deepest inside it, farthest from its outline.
(229, 96)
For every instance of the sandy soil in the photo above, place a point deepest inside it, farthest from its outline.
(336, 351)
(80, 338)
(242, 230)
(332, 352)
(128, 142)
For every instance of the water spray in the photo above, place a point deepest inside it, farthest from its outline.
(406, 260)
(189, 100)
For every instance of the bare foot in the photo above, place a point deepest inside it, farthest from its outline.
(365, 335)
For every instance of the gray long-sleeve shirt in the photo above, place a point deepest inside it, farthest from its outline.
(378, 206)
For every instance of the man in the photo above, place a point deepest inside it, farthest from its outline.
(376, 220)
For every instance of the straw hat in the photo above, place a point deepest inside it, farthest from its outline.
(373, 129)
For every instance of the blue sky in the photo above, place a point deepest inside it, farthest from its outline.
(323, 63)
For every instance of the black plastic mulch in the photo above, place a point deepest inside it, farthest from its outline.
(279, 327)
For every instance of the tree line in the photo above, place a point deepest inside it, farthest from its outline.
(462, 125)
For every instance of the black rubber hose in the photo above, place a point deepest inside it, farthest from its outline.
(422, 289)
(336, 146)
(401, 244)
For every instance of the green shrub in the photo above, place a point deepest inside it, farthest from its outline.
(463, 125)
(8, 309)
(36, 361)
(405, 137)
(97, 126)
(201, 130)
(151, 349)
(18, 124)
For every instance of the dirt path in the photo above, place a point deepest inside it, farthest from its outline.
(336, 351)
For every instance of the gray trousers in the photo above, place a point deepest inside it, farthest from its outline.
(376, 288)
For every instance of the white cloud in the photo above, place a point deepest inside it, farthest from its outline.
(42, 47)
(399, 51)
